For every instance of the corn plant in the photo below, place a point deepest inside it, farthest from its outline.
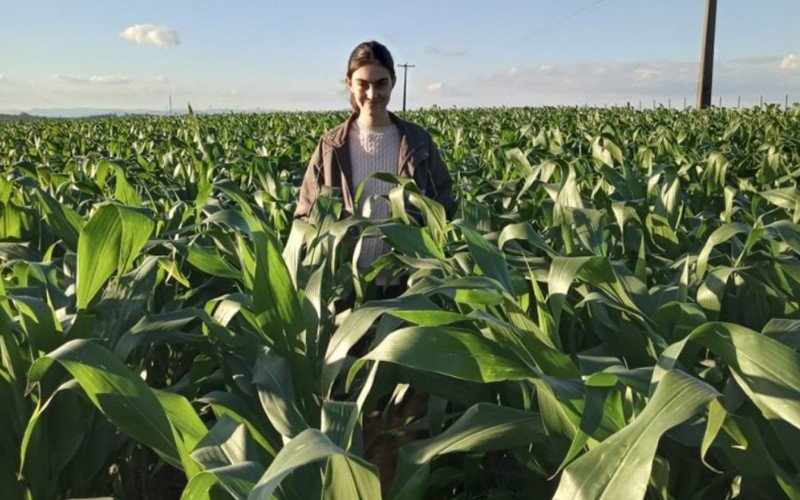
(613, 312)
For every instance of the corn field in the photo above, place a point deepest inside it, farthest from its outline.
(614, 311)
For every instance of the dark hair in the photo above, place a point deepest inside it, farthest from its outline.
(369, 53)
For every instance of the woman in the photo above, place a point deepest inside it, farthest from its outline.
(373, 140)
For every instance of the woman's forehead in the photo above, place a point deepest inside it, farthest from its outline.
(371, 73)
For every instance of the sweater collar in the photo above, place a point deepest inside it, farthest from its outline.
(338, 136)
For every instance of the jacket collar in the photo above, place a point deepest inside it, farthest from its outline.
(410, 142)
(337, 137)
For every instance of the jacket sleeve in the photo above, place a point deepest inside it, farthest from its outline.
(310, 187)
(442, 188)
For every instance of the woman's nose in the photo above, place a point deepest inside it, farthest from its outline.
(370, 92)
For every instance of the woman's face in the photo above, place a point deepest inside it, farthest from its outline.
(371, 87)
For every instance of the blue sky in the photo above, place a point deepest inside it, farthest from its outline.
(292, 55)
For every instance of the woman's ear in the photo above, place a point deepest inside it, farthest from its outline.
(347, 80)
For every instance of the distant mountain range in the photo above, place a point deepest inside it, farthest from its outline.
(87, 112)
(80, 112)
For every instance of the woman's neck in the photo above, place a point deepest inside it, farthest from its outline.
(370, 121)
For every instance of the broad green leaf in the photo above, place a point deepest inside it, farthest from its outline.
(411, 240)
(274, 296)
(154, 329)
(449, 351)
(123, 191)
(767, 370)
(109, 242)
(312, 446)
(356, 326)
(524, 232)
(187, 427)
(339, 422)
(488, 257)
(211, 262)
(248, 413)
(237, 480)
(65, 221)
(620, 466)
(39, 323)
(482, 428)
(273, 378)
(122, 396)
(721, 235)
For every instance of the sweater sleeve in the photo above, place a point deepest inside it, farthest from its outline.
(310, 187)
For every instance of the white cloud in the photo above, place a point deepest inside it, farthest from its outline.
(97, 79)
(161, 79)
(438, 51)
(600, 82)
(790, 63)
(148, 34)
(110, 80)
(645, 74)
(434, 87)
(592, 78)
(2, 77)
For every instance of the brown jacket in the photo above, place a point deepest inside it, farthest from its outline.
(419, 159)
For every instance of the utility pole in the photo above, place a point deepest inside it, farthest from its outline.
(170, 105)
(707, 57)
(405, 79)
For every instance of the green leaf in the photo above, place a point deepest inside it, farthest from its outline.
(122, 396)
(66, 222)
(109, 242)
(716, 417)
(488, 257)
(153, 329)
(357, 324)
(237, 480)
(123, 191)
(187, 426)
(721, 235)
(482, 428)
(39, 323)
(411, 240)
(620, 466)
(211, 262)
(524, 231)
(767, 370)
(563, 272)
(339, 422)
(275, 299)
(449, 351)
(353, 475)
(273, 378)
(243, 411)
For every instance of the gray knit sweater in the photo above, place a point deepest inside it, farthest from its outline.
(373, 150)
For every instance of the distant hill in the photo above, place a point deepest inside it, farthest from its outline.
(86, 112)
(18, 117)
(100, 112)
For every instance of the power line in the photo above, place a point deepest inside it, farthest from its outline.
(561, 20)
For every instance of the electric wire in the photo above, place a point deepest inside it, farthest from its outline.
(563, 19)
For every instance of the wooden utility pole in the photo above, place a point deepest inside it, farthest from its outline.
(405, 79)
(707, 57)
